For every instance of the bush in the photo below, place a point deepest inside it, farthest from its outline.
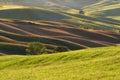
(61, 49)
(36, 48)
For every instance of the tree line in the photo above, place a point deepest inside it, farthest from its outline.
(37, 48)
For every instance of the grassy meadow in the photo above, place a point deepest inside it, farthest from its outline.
(87, 64)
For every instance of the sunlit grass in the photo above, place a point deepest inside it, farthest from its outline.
(73, 11)
(100, 7)
(89, 64)
(4, 7)
(114, 17)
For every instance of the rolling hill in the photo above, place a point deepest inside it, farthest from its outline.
(55, 25)
(108, 9)
(90, 29)
(102, 8)
(36, 13)
(52, 3)
(89, 64)
(15, 34)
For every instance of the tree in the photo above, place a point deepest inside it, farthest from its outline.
(61, 49)
(82, 12)
(36, 48)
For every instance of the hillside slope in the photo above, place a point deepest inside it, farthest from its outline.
(52, 3)
(89, 64)
(52, 34)
(36, 13)
(101, 8)
(105, 9)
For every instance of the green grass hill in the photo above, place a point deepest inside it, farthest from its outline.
(89, 64)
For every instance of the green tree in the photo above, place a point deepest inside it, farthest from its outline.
(61, 49)
(36, 48)
(82, 12)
